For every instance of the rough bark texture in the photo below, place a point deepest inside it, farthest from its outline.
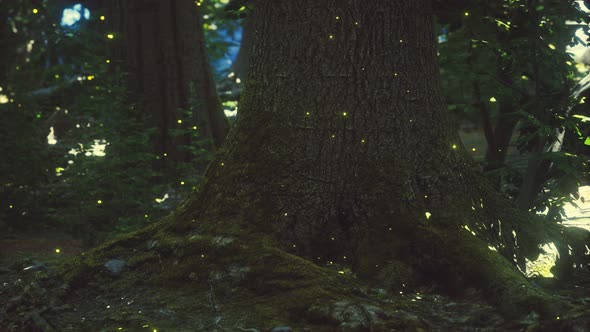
(342, 150)
(169, 70)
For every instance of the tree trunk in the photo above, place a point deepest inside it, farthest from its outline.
(169, 71)
(342, 151)
(242, 61)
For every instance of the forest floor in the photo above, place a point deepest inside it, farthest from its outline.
(21, 256)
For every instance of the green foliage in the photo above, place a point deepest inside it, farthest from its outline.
(504, 69)
(99, 177)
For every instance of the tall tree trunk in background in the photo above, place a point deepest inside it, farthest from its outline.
(242, 61)
(8, 42)
(166, 58)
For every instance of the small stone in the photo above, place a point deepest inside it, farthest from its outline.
(222, 241)
(115, 266)
(152, 244)
(282, 329)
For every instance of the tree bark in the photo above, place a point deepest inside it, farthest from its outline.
(169, 71)
(342, 151)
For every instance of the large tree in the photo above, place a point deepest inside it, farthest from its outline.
(341, 155)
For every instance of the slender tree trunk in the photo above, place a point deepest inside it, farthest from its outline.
(169, 70)
(242, 61)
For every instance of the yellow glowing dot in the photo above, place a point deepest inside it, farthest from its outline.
(90, 78)
(363, 141)
(337, 17)
(35, 10)
(454, 146)
(294, 246)
(551, 46)
(120, 328)
(102, 17)
(99, 201)
(333, 136)
(222, 164)
(165, 154)
(331, 36)
(202, 256)
(427, 214)
(194, 127)
(110, 36)
(341, 272)
(493, 100)
(307, 113)
(286, 214)
(344, 114)
(394, 74)
(182, 183)
(145, 215)
(466, 13)
(473, 149)
(356, 23)
(401, 40)
(108, 61)
(558, 318)
(10, 206)
(57, 250)
(179, 121)
(56, 76)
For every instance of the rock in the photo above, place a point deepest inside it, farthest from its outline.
(238, 272)
(36, 321)
(152, 244)
(35, 267)
(282, 329)
(115, 266)
(222, 241)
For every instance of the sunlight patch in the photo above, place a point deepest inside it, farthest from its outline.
(51, 137)
(74, 14)
(161, 200)
(543, 264)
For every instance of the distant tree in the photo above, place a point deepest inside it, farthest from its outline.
(163, 50)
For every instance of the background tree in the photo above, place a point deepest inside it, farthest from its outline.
(169, 71)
